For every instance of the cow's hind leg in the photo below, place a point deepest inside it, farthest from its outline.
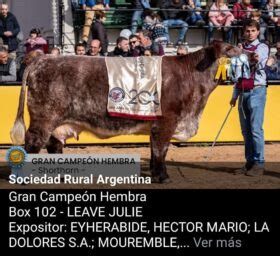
(160, 140)
(37, 136)
(54, 146)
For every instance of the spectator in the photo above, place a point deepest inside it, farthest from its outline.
(35, 41)
(271, 68)
(80, 49)
(146, 43)
(95, 48)
(122, 48)
(220, 17)
(271, 18)
(135, 48)
(154, 25)
(29, 57)
(148, 53)
(256, 15)
(145, 40)
(9, 29)
(125, 33)
(134, 41)
(137, 15)
(182, 50)
(269, 12)
(273, 65)
(99, 32)
(8, 72)
(175, 19)
(55, 51)
(278, 51)
(194, 17)
(242, 10)
(90, 6)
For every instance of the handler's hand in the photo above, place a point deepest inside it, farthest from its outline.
(8, 33)
(240, 46)
(233, 102)
(256, 57)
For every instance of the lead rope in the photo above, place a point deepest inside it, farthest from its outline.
(206, 156)
(242, 93)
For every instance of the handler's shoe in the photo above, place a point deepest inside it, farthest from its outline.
(244, 169)
(255, 171)
(179, 43)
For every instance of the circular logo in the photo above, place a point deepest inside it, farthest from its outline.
(16, 157)
(117, 94)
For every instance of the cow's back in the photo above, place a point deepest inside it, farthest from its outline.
(74, 88)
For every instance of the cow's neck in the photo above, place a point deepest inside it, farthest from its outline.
(213, 70)
(205, 60)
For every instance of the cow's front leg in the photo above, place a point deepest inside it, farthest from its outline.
(160, 140)
(159, 173)
(157, 162)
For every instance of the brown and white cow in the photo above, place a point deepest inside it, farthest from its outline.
(69, 94)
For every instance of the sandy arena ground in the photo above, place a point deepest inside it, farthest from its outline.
(186, 167)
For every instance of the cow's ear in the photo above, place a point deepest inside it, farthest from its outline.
(216, 42)
(208, 59)
(218, 47)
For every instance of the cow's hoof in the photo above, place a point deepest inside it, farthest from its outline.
(166, 180)
(155, 179)
(159, 179)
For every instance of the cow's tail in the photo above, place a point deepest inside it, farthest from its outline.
(17, 133)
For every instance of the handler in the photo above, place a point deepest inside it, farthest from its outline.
(251, 105)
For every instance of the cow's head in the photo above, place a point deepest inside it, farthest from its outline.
(227, 50)
(218, 49)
